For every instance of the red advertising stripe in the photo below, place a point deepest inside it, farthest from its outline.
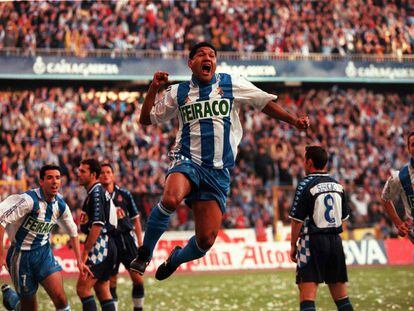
(399, 251)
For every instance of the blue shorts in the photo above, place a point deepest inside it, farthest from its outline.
(29, 268)
(208, 184)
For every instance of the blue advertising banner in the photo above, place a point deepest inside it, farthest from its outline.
(142, 69)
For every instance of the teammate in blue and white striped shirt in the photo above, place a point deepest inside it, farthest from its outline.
(28, 219)
(205, 149)
(401, 185)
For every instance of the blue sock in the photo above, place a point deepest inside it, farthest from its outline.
(307, 305)
(10, 299)
(156, 225)
(190, 252)
(89, 304)
(138, 294)
(108, 305)
(344, 304)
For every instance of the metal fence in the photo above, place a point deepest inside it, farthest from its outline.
(222, 55)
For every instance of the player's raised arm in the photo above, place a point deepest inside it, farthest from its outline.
(160, 78)
(246, 93)
(275, 111)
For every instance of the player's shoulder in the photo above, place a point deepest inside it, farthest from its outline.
(231, 78)
(123, 191)
(60, 200)
(19, 200)
(31, 195)
(96, 190)
(394, 176)
(304, 184)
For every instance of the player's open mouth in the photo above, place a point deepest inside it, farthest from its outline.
(206, 68)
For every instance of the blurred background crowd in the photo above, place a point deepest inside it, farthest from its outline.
(362, 128)
(286, 26)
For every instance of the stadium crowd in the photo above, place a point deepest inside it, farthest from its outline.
(363, 129)
(329, 27)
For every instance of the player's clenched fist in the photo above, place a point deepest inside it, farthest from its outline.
(160, 78)
(302, 123)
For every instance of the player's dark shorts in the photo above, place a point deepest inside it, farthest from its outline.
(208, 184)
(327, 261)
(29, 268)
(127, 250)
(102, 269)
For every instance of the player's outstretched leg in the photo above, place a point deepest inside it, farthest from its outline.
(156, 225)
(11, 300)
(207, 216)
(177, 187)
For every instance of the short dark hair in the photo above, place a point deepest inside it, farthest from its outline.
(94, 166)
(48, 167)
(409, 136)
(107, 165)
(194, 49)
(318, 155)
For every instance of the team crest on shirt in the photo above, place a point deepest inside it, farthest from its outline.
(120, 213)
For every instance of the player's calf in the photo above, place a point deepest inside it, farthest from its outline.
(138, 296)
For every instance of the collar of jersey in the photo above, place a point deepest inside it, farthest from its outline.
(41, 195)
(197, 82)
(318, 174)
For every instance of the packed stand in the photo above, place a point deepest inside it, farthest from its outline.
(328, 27)
(363, 130)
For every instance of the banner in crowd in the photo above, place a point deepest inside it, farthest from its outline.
(239, 250)
(142, 69)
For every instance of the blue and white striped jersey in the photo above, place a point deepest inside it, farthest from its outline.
(209, 125)
(28, 218)
(400, 185)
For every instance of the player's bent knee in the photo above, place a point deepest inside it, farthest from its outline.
(170, 201)
(82, 290)
(205, 242)
(60, 301)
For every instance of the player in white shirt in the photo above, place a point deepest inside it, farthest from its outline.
(401, 185)
(205, 149)
(28, 219)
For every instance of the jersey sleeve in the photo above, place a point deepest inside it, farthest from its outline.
(14, 208)
(246, 93)
(345, 206)
(392, 188)
(165, 106)
(131, 206)
(298, 210)
(97, 206)
(66, 222)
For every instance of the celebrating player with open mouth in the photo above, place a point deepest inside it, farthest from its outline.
(205, 149)
(28, 219)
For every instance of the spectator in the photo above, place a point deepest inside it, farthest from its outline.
(328, 27)
(357, 124)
